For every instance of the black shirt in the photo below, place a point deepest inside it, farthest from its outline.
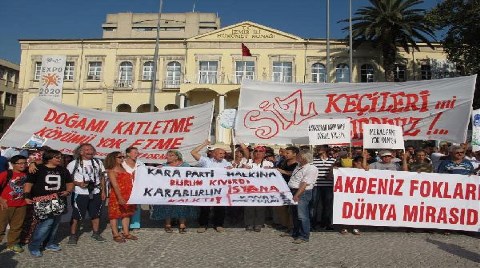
(48, 181)
(285, 166)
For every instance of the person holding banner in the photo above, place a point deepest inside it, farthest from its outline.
(217, 160)
(167, 212)
(301, 184)
(121, 183)
(254, 216)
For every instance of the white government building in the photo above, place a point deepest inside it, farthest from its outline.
(200, 61)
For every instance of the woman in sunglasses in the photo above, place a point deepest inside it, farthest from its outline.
(121, 183)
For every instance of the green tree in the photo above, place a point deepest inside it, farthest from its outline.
(460, 20)
(390, 24)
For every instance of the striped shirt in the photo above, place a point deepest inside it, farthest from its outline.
(324, 166)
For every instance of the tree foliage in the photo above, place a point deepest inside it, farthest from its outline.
(390, 24)
(461, 21)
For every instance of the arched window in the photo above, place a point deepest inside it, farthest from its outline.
(147, 71)
(145, 108)
(367, 73)
(174, 73)
(124, 108)
(125, 74)
(318, 73)
(342, 73)
(400, 74)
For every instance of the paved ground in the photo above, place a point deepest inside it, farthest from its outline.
(237, 248)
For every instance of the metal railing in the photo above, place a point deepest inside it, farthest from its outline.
(124, 84)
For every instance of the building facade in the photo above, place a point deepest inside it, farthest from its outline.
(115, 73)
(9, 74)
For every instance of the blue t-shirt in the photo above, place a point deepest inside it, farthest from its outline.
(463, 168)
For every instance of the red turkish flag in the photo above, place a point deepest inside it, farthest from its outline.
(245, 51)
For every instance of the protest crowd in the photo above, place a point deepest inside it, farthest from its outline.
(35, 186)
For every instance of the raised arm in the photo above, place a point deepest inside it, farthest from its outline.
(196, 151)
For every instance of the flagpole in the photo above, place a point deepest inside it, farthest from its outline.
(327, 79)
(350, 40)
(155, 61)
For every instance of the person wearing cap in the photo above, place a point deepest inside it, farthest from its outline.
(385, 162)
(217, 160)
(457, 164)
(255, 216)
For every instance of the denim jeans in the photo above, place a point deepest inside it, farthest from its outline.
(45, 232)
(301, 216)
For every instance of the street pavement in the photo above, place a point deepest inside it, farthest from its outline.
(238, 248)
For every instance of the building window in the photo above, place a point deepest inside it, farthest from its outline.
(400, 73)
(282, 71)
(2, 73)
(244, 70)
(174, 72)
(366, 73)
(38, 70)
(426, 71)
(208, 72)
(318, 73)
(69, 70)
(147, 71)
(125, 74)
(94, 70)
(10, 77)
(342, 73)
(10, 99)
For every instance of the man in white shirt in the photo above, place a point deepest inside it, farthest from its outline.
(301, 183)
(89, 193)
(216, 161)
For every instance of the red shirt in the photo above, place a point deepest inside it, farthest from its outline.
(13, 191)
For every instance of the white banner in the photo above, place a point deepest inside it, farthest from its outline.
(406, 199)
(476, 130)
(381, 136)
(278, 113)
(328, 131)
(66, 126)
(209, 187)
(51, 77)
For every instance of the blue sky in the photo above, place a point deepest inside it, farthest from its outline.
(67, 19)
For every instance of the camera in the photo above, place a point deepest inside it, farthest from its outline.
(91, 188)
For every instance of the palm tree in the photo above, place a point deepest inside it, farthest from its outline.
(390, 24)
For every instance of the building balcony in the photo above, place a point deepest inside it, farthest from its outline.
(123, 84)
